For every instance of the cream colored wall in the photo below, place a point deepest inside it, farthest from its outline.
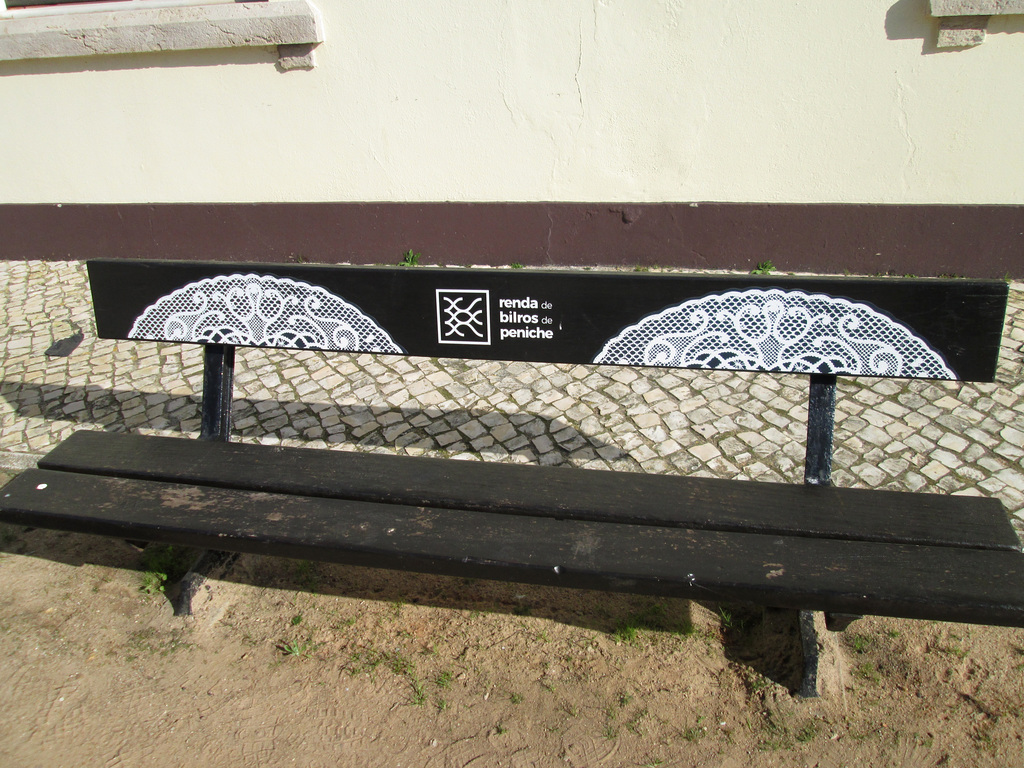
(526, 100)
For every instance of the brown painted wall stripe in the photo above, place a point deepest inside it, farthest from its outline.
(925, 240)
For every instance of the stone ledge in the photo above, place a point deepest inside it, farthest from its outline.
(184, 28)
(976, 7)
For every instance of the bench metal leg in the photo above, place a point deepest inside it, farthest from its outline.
(209, 565)
(218, 388)
(821, 415)
(218, 384)
(809, 644)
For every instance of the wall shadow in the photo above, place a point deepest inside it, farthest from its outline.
(910, 20)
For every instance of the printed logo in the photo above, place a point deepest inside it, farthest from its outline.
(463, 316)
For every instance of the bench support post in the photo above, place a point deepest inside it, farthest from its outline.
(821, 416)
(218, 388)
(218, 384)
(821, 413)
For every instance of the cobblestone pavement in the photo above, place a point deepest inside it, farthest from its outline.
(909, 436)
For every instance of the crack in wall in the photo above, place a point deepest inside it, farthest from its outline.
(903, 123)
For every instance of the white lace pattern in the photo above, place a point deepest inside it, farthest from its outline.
(261, 311)
(777, 330)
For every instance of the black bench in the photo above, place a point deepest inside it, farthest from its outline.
(809, 547)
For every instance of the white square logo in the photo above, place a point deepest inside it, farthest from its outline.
(463, 316)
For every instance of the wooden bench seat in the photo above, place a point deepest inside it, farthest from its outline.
(698, 538)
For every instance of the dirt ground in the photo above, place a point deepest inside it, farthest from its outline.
(295, 663)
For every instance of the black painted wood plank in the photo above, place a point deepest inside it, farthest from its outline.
(559, 492)
(942, 583)
(554, 316)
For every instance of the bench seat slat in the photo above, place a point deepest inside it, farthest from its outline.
(942, 583)
(633, 498)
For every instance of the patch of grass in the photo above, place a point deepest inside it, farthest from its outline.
(305, 574)
(610, 732)
(633, 724)
(776, 733)
(500, 729)
(149, 641)
(655, 618)
(763, 268)
(296, 619)
(366, 661)
(626, 632)
(442, 705)
(410, 259)
(807, 732)
(516, 265)
(8, 533)
(954, 647)
(399, 663)
(861, 643)
(694, 733)
(153, 582)
(516, 698)
(444, 680)
(867, 671)
(162, 564)
(731, 621)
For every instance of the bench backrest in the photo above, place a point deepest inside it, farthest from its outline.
(905, 328)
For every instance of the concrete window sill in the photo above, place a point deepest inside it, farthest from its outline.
(294, 26)
(963, 23)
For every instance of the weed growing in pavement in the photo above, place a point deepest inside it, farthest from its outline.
(410, 259)
(763, 268)
(153, 582)
(297, 649)
(419, 691)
